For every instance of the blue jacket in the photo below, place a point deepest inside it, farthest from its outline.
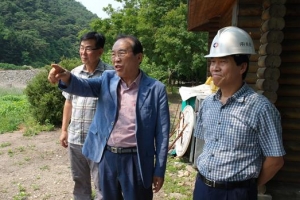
(152, 120)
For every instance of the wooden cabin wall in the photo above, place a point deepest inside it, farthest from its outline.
(288, 102)
(274, 71)
(249, 19)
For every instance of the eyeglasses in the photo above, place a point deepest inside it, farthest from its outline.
(87, 49)
(119, 54)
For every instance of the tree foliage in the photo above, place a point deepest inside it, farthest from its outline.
(171, 52)
(38, 32)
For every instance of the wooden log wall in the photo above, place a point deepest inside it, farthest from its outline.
(270, 48)
(288, 93)
(249, 19)
(276, 36)
(274, 26)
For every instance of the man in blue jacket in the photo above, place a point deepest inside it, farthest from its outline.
(129, 134)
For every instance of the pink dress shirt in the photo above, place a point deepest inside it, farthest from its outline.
(123, 133)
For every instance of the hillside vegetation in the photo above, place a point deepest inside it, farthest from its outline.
(38, 32)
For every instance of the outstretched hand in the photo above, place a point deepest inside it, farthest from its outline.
(58, 73)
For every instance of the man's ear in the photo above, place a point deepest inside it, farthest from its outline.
(140, 57)
(101, 50)
(243, 67)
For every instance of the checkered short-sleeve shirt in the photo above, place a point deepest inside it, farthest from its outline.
(83, 108)
(237, 135)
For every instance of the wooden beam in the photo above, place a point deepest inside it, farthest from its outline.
(269, 61)
(249, 22)
(268, 73)
(267, 85)
(270, 49)
(291, 33)
(289, 134)
(250, 10)
(272, 37)
(201, 11)
(253, 67)
(268, 3)
(290, 123)
(290, 68)
(291, 166)
(288, 102)
(289, 80)
(254, 58)
(288, 91)
(292, 156)
(275, 10)
(291, 45)
(285, 177)
(251, 78)
(290, 56)
(255, 33)
(273, 24)
(292, 10)
(249, 2)
(292, 22)
(291, 113)
(272, 96)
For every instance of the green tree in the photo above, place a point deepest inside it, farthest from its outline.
(171, 52)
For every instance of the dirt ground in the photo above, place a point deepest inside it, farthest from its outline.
(38, 167)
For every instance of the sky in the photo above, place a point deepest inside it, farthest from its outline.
(95, 6)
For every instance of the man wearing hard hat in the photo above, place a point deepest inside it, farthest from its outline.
(241, 129)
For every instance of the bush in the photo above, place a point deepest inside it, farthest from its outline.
(46, 100)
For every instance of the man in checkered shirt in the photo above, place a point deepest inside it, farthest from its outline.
(241, 129)
(77, 117)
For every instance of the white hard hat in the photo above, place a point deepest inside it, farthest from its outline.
(231, 40)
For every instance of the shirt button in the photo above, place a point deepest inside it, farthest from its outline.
(217, 139)
(219, 123)
(212, 155)
(112, 123)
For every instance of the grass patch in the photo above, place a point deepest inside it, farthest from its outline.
(13, 110)
(22, 193)
(11, 153)
(15, 113)
(179, 183)
(5, 144)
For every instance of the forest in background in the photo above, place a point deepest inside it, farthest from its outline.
(37, 33)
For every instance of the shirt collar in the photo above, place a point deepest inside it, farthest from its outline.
(135, 82)
(100, 68)
(239, 96)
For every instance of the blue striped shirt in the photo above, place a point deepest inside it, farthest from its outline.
(237, 135)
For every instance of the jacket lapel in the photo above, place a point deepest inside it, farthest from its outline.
(113, 87)
(144, 90)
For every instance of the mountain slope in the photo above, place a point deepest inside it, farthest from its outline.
(37, 32)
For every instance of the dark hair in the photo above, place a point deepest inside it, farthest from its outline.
(137, 45)
(98, 37)
(239, 59)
